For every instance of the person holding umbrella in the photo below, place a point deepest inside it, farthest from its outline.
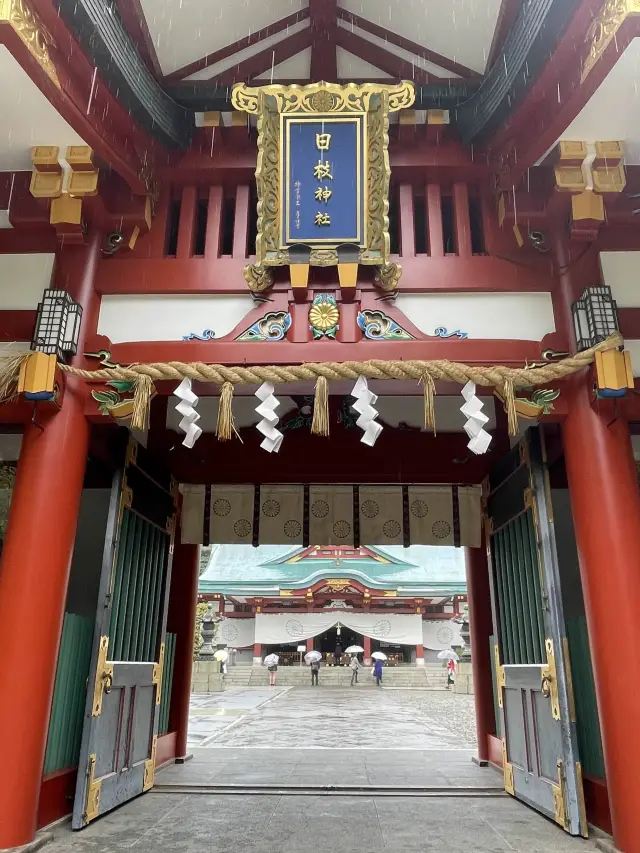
(313, 658)
(377, 666)
(354, 663)
(451, 657)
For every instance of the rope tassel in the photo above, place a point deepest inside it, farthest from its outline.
(144, 390)
(510, 404)
(320, 422)
(225, 427)
(429, 389)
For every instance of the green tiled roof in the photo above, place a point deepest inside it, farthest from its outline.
(419, 570)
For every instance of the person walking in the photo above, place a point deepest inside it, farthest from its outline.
(451, 673)
(355, 666)
(377, 672)
(272, 668)
(315, 669)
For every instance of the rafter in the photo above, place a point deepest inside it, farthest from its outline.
(382, 59)
(408, 45)
(506, 17)
(236, 47)
(261, 62)
(324, 23)
(135, 23)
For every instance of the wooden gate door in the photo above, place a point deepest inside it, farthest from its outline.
(118, 751)
(535, 693)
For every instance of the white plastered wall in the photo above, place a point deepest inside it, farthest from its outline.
(23, 277)
(511, 316)
(621, 272)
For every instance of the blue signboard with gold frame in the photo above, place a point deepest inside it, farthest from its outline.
(323, 190)
(323, 175)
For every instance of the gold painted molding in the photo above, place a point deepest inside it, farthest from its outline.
(19, 15)
(602, 31)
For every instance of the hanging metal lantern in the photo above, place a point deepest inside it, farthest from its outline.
(595, 317)
(57, 328)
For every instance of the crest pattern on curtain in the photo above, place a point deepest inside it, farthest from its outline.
(332, 515)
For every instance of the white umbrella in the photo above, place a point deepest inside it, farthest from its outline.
(379, 656)
(354, 650)
(447, 654)
(312, 656)
(271, 660)
(221, 655)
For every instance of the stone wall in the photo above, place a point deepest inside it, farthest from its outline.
(206, 677)
(464, 679)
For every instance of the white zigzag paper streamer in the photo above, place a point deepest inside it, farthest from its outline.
(190, 418)
(267, 426)
(364, 406)
(479, 438)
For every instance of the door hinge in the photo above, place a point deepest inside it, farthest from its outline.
(500, 676)
(150, 767)
(158, 670)
(104, 677)
(507, 769)
(550, 680)
(93, 791)
(559, 807)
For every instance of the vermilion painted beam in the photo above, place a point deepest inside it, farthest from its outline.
(629, 319)
(241, 224)
(407, 226)
(284, 352)
(224, 275)
(324, 22)
(408, 45)
(187, 224)
(461, 216)
(84, 101)
(434, 220)
(134, 19)
(557, 97)
(261, 62)
(387, 62)
(236, 47)
(16, 325)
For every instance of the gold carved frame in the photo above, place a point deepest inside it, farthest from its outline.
(269, 103)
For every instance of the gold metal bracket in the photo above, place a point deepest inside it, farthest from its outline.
(104, 677)
(508, 771)
(584, 825)
(550, 680)
(93, 791)
(150, 767)
(132, 451)
(559, 809)
(500, 676)
(158, 669)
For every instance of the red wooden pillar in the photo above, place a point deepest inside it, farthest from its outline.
(310, 644)
(182, 622)
(420, 655)
(606, 514)
(37, 555)
(367, 650)
(187, 223)
(480, 628)
(257, 653)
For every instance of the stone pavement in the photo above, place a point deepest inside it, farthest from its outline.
(174, 823)
(311, 738)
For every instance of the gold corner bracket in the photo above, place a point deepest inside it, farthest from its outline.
(150, 766)
(550, 680)
(507, 769)
(603, 30)
(500, 676)
(92, 806)
(25, 23)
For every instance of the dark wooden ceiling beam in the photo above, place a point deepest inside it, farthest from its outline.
(506, 18)
(408, 45)
(375, 55)
(324, 23)
(261, 62)
(135, 23)
(242, 44)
